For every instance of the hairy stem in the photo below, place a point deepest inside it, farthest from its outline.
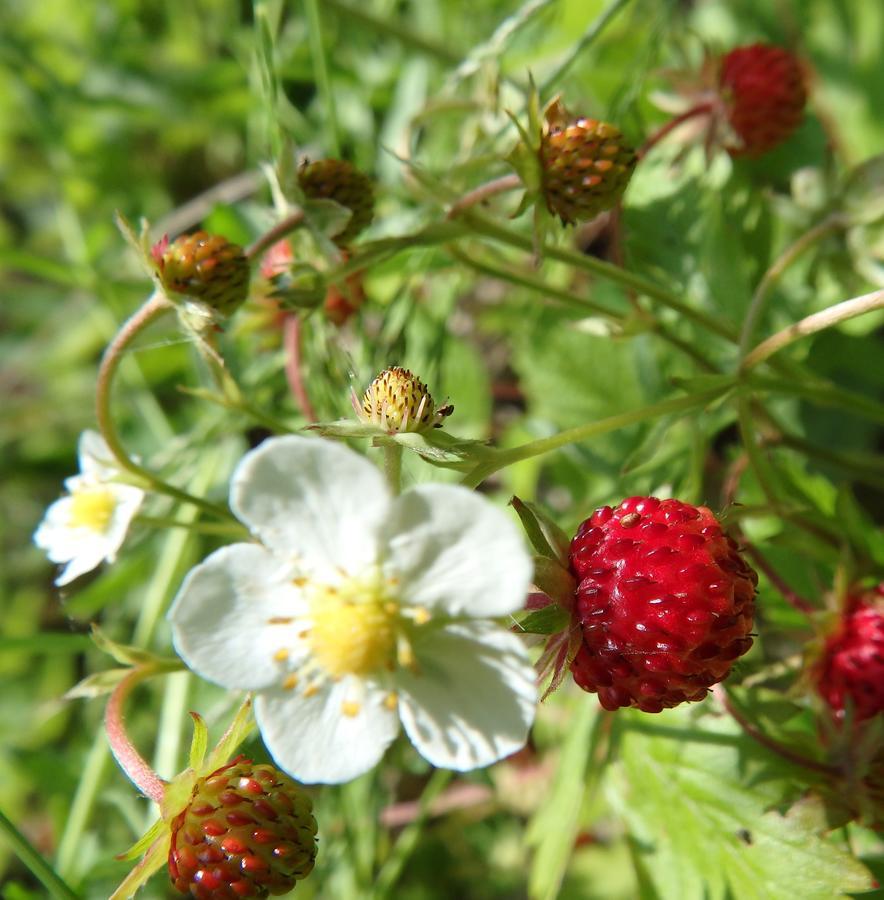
(826, 318)
(503, 458)
(285, 226)
(769, 743)
(484, 192)
(774, 273)
(291, 340)
(155, 307)
(670, 126)
(131, 761)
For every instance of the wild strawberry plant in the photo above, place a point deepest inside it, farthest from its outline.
(379, 271)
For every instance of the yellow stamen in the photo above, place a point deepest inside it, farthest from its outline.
(350, 708)
(391, 701)
(281, 655)
(92, 508)
(291, 682)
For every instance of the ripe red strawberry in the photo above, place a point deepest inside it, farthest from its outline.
(204, 266)
(851, 668)
(664, 600)
(764, 95)
(586, 166)
(247, 832)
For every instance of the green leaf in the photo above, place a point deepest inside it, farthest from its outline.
(864, 191)
(555, 824)
(720, 790)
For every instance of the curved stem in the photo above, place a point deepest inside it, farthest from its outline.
(698, 110)
(769, 743)
(504, 458)
(483, 192)
(773, 274)
(156, 306)
(840, 312)
(276, 233)
(793, 598)
(291, 341)
(131, 761)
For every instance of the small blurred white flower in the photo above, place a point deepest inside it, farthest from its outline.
(357, 609)
(90, 524)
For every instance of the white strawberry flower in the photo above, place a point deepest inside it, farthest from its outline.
(89, 525)
(356, 610)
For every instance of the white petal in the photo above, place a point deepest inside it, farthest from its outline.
(473, 699)
(314, 499)
(225, 619)
(87, 558)
(454, 550)
(96, 459)
(128, 502)
(313, 740)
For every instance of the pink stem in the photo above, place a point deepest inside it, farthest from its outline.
(698, 110)
(484, 192)
(769, 743)
(131, 761)
(291, 339)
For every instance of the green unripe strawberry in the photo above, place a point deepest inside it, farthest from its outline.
(338, 180)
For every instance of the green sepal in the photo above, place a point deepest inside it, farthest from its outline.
(550, 620)
(439, 448)
(126, 654)
(863, 195)
(139, 241)
(96, 685)
(142, 845)
(155, 858)
(301, 286)
(551, 577)
(326, 218)
(199, 742)
(238, 731)
(346, 428)
(546, 537)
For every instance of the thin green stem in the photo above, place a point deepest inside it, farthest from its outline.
(155, 307)
(822, 394)
(775, 272)
(577, 302)
(320, 74)
(393, 465)
(587, 39)
(214, 528)
(840, 312)
(602, 269)
(410, 836)
(33, 860)
(503, 458)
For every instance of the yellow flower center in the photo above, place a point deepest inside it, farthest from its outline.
(92, 508)
(355, 628)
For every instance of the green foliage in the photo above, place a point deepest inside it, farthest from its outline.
(195, 114)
